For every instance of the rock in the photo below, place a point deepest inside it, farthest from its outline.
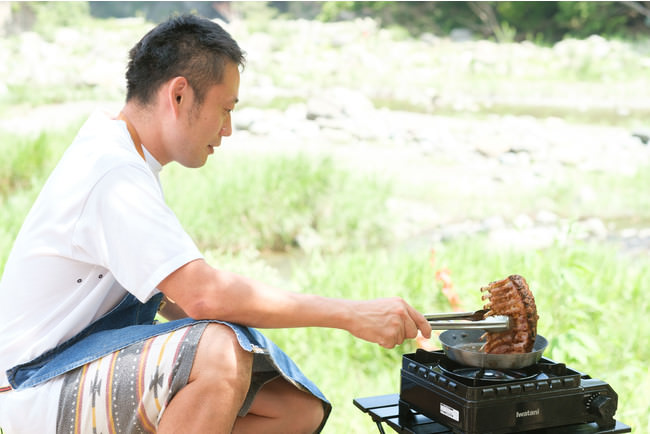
(494, 223)
(461, 35)
(429, 38)
(531, 238)
(587, 194)
(339, 102)
(67, 36)
(591, 228)
(296, 113)
(492, 147)
(244, 118)
(546, 217)
(319, 107)
(523, 221)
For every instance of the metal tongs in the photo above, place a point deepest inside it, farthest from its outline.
(468, 321)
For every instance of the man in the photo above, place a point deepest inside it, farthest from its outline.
(99, 249)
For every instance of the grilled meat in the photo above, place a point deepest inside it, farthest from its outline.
(511, 296)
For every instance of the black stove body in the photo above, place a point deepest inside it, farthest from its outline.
(485, 401)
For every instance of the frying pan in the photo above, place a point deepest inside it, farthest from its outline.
(463, 346)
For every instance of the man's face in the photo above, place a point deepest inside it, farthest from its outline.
(202, 126)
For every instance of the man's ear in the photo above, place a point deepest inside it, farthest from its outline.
(177, 93)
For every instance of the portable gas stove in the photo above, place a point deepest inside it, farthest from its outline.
(438, 395)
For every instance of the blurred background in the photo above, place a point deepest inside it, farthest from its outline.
(419, 149)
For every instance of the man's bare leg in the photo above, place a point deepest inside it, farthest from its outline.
(216, 388)
(279, 407)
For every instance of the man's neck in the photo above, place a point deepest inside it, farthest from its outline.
(142, 127)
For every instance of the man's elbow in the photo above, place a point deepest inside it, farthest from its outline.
(201, 291)
(201, 309)
(208, 306)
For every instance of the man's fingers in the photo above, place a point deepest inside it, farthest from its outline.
(394, 322)
(410, 329)
(420, 322)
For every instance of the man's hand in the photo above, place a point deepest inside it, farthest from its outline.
(387, 321)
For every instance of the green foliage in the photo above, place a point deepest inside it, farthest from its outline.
(277, 203)
(582, 19)
(530, 18)
(257, 14)
(416, 17)
(537, 21)
(155, 11)
(21, 162)
(625, 200)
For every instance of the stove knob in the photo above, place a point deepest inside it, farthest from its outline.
(603, 407)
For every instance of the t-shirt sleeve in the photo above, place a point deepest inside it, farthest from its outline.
(127, 227)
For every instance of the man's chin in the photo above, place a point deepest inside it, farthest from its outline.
(195, 163)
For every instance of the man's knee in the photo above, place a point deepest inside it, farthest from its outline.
(220, 361)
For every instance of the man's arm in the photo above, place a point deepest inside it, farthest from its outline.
(204, 292)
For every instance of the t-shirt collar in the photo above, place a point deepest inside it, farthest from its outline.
(154, 165)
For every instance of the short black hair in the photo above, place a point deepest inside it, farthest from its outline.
(187, 45)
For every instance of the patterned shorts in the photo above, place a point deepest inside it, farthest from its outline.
(127, 391)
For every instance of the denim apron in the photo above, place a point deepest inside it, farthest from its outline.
(132, 321)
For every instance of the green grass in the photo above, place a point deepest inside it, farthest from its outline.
(27, 159)
(33, 95)
(278, 203)
(591, 301)
(625, 195)
(24, 161)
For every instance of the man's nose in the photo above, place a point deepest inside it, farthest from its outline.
(226, 129)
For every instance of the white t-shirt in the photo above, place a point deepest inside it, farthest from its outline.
(99, 228)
